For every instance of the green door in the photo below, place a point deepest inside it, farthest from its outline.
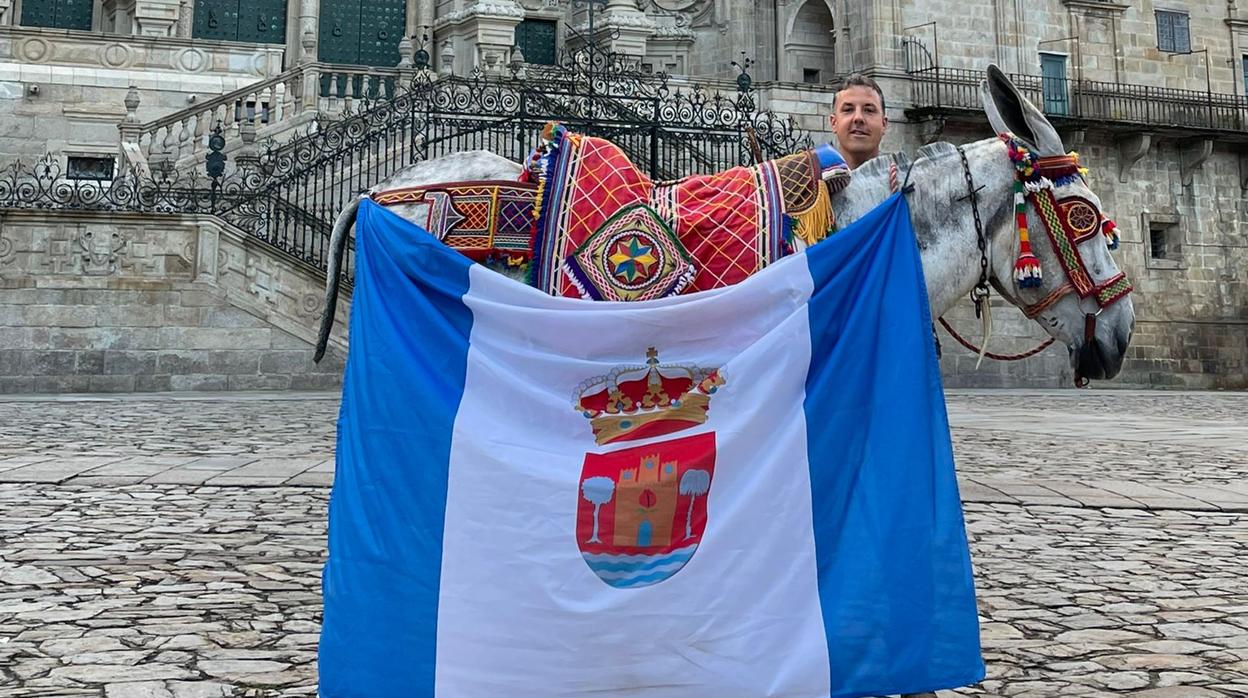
(354, 32)
(536, 40)
(253, 21)
(1053, 84)
(58, 14)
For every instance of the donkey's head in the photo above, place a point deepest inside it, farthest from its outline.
(1071, 285)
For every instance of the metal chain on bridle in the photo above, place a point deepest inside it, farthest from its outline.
(979, 294)
(982, 290)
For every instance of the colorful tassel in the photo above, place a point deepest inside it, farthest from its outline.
(1110, 230)
(1027, 267)
(814, 224)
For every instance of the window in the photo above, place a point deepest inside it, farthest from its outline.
(536, 40)
(1173, 34)
(1157, 242)
(57, 14)
(1165, 240)
(810, 76)
(90, 167)
(1245, 57)
(1053, 84)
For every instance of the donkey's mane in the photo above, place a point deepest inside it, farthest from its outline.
(878, 166)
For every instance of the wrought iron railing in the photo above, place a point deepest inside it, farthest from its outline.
(288, 195)
(936, 88)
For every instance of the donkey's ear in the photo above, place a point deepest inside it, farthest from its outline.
(1009, 112)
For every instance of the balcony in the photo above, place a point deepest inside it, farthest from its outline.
(955, 93)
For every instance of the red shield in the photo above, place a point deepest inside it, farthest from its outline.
(641, 511)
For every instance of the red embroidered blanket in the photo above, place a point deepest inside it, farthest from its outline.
(730, 224)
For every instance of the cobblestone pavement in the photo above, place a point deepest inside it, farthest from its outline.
(170, 547)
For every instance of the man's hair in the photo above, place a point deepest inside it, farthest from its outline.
(859, 80)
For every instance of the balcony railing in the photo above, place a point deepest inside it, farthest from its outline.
(953, 89)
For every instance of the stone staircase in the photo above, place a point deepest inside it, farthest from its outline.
(275, 109)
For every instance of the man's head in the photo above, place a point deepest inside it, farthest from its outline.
(858, 119)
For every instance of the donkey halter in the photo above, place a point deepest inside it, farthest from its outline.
(1069, 222)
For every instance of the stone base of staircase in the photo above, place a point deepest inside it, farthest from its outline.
(103, 302)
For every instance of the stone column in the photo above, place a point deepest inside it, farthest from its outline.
(484, 31)
(309, 22)
(156, 17)
(310, 89)
(633, 25)
(411, 26)
(186, 19)
(6, 12)
(425, 15)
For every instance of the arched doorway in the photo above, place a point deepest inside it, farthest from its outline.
(810, 46)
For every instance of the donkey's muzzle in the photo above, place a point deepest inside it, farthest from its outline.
(1099, 357)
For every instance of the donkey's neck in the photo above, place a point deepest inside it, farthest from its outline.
(942, 217)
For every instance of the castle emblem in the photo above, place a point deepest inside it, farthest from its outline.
(641, 511)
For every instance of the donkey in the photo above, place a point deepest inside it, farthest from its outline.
(954, 191)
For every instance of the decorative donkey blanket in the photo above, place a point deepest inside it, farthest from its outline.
(593, 225)
(606, 231)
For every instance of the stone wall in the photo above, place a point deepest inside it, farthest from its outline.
(1111, 41)
(64, 92)
(115, 302)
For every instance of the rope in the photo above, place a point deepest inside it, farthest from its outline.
(996, 357)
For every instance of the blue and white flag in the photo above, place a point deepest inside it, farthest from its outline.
(743, 492)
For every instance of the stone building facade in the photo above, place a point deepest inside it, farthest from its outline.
(1151, 92)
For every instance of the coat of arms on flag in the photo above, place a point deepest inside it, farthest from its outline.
(642, 510)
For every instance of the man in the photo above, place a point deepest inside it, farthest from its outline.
(858, 119)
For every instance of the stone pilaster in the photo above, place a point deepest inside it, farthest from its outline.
(624, 28)
(309, 24)
(156, 17)
(482, 34)
(668, 49)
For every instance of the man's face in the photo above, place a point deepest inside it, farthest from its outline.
(858, 122)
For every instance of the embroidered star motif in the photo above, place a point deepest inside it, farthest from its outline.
(633, 259)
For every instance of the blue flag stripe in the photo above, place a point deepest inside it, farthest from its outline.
(385, 625)
(895, 583)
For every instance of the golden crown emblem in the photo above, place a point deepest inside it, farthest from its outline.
(637, 402)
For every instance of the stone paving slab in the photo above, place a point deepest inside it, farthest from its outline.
(214, 591)
(170, 546)
(270, 439)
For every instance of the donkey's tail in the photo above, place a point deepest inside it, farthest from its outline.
(333, 274)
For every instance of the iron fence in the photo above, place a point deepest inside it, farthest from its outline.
(1087, 100)
(288, 195)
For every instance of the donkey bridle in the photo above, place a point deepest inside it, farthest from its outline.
(1045, 172)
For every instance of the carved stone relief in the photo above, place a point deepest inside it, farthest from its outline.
(8, 254)
(100, 251)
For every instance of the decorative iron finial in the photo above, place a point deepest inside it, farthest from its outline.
(421, 58)
(215, 160)
(744, 80)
